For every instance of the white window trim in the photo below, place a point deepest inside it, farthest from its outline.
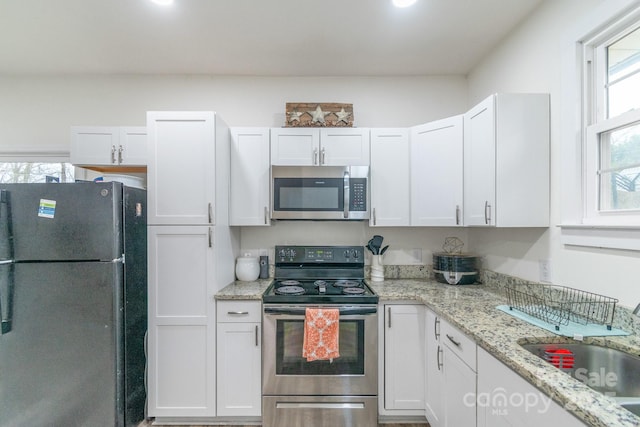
(576, 228)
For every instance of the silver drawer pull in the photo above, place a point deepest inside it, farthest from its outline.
(237, 313)
(456, 343)
(311, 405)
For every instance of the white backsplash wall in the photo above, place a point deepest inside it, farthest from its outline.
(407, 245)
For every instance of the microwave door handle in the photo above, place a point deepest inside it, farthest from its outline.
(346, 194)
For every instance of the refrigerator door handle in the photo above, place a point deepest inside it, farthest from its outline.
(6, 313)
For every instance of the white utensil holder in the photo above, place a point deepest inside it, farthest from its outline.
(377, 268)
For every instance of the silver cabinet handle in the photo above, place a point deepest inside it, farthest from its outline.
(457, 214)
(436, 328)
(487, 212)
(120, 151)
(323, 156)
(375, 220)
(438, 353)
(389, 316)
(237, 313)
(210, 237)
(257, 342)
(456, 343)
(113, 154)
(266, 215)
(210, 212)
(315, 156)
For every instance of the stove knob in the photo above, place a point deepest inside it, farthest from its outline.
(346, 254)
(355, 254)
(282, 253)
(292, 253)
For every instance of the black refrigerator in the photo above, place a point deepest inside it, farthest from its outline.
(73, 302)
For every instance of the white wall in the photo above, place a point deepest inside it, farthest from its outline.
(529, 60)
(37, 111)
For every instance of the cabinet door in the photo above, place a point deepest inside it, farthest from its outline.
(480, 164)
(389, 177)
(181, 322)
(344, 147)
(460, 391)
(295, 146)
(94, 145)
(181, 168)
(239, 354)
(434, 383)
(509, 400)
(404, 360)
(436, 173)
(132, 146)
(250, 172)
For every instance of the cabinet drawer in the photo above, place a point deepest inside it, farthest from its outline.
(459, 344)
(239, 311)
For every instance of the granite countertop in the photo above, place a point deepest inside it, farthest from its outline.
(472, 309)
(244, 290)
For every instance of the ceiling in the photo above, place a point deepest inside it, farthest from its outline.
(253, 37)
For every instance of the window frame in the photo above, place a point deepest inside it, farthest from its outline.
(614, 230)
(596, 120)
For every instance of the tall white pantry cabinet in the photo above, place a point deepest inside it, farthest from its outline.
(191, 256)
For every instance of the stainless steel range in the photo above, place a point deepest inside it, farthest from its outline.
(338, 392)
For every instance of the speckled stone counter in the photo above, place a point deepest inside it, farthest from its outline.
(244, 290)
(472, 309)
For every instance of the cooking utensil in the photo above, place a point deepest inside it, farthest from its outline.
(384, 250)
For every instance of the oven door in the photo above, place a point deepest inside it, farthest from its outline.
(286, 372)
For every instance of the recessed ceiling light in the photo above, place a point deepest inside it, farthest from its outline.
(163, 2)
(403, 3)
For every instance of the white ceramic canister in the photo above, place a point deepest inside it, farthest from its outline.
(247, 268)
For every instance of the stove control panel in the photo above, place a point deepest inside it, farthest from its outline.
(319, 254)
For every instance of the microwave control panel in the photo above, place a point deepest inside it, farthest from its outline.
(358, 194)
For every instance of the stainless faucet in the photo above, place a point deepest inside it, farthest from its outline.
(636, 310)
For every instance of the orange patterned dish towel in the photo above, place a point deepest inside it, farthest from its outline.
(321, 329)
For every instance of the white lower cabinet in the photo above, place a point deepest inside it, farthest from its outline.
(404, 361)
(239, 362)
(434, 382)
(506, 399)
(450, 375)
(181, 335)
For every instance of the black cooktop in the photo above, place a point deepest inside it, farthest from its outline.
(348, 291)
(319, 274)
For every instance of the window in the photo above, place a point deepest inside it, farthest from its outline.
(28, 172)
(611, 136)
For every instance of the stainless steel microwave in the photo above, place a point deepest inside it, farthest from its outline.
(320, 192)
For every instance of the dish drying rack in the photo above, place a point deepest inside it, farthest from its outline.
(559, 305)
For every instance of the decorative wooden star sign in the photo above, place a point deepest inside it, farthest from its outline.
(318, 115)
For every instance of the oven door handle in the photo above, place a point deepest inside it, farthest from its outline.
(347, 311)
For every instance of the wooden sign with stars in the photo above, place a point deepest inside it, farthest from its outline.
(318, 114)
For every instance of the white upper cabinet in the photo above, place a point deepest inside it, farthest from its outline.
(250, 171)
(109, 146)
(181, 173)
(320, 147)
(506, 161)
(390, 198)
(436, 173)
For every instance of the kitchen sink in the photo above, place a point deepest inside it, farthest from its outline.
(606, 370)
